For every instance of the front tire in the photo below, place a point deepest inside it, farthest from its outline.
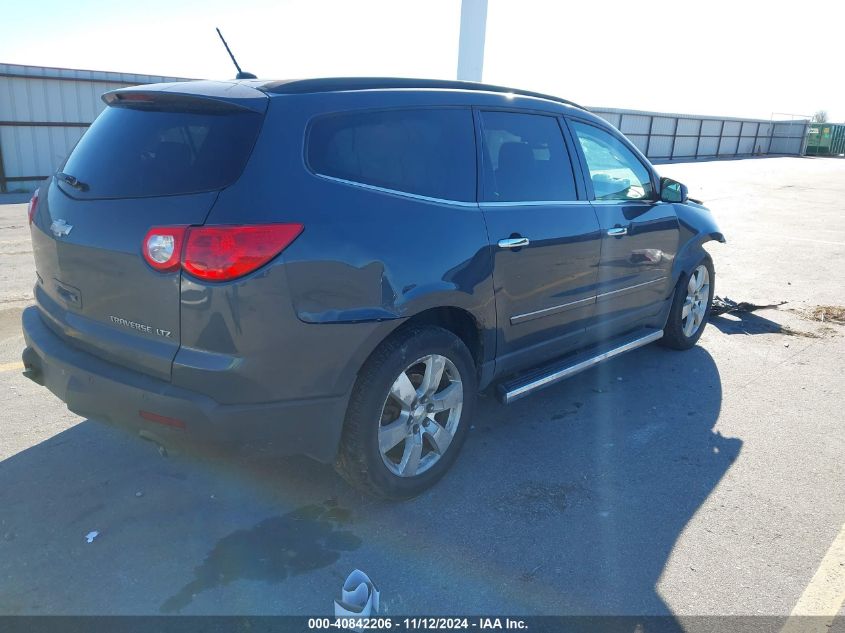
(690, 307)
(409, 413)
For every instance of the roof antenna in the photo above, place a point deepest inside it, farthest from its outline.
(241, 74)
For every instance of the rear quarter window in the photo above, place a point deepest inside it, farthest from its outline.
(131, 153)
(428, 152)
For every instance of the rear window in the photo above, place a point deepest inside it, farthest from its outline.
(131, 153)
(428, 152)
(525, 159)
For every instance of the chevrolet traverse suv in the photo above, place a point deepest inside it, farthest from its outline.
(337, 266)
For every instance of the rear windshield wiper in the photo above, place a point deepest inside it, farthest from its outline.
(73, 181)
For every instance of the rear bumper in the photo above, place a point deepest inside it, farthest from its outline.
(100, 390)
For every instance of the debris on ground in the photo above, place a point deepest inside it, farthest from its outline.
(784, 329)
(828, 314)
(530, 576)
(89, 538)
(359, 597)
(724, 305)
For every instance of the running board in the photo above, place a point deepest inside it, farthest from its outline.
(546, 375)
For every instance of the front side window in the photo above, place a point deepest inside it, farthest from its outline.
(525, 159)
(616, 173)
(428, 152)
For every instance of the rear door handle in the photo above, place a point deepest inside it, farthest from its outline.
(617, 231)
(514, 242)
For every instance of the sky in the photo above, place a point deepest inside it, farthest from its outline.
(732, 58)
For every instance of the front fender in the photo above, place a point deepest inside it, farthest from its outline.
(697, 226)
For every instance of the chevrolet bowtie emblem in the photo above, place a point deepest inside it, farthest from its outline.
(60, 228)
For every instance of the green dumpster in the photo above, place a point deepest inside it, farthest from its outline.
(826, 139)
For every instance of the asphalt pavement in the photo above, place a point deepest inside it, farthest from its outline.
(687, 483)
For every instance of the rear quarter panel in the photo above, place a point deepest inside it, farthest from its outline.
(364, 262)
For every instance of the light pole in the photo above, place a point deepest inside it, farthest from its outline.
(471, 46)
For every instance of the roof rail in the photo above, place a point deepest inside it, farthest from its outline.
(335, 84)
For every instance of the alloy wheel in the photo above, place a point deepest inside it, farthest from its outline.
(420, 415)
(695, 303)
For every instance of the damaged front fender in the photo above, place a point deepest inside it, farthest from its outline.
(698, 221)
(697, 226)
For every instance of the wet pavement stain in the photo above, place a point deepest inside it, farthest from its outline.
(305, 539)
(540, 500)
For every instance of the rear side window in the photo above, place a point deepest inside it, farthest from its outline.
(132, 153)
(525, 158)
(428, 152)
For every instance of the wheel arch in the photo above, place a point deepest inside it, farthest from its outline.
(691, 254)
(697, 226)
(459, 321)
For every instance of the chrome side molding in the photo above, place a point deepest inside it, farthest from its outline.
(521, 318)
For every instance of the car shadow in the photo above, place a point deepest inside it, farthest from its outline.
(751, 323)
(612, 466)
(567, 502)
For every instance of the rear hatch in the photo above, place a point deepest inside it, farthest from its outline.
(153, 158)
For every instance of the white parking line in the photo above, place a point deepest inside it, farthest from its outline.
(10, 366)
(824, 596)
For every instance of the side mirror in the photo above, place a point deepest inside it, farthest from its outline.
(673, 191)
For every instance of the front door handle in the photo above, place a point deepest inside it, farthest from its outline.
(617, 231)
(514, 242)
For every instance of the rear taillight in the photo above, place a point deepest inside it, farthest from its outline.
(162, 247)
(217, 253)
(33, 206)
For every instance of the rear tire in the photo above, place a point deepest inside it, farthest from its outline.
(690, 307)
(409, 413)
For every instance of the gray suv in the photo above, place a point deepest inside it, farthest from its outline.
(335, 267)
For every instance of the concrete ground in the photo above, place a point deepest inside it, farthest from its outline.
(705, 482)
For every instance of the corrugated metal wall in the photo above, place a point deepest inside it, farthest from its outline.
(685, 136)
(43, 113)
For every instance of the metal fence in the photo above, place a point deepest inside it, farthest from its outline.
(44, 112)
(665, 137)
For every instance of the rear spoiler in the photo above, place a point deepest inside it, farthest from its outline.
(200, 96)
